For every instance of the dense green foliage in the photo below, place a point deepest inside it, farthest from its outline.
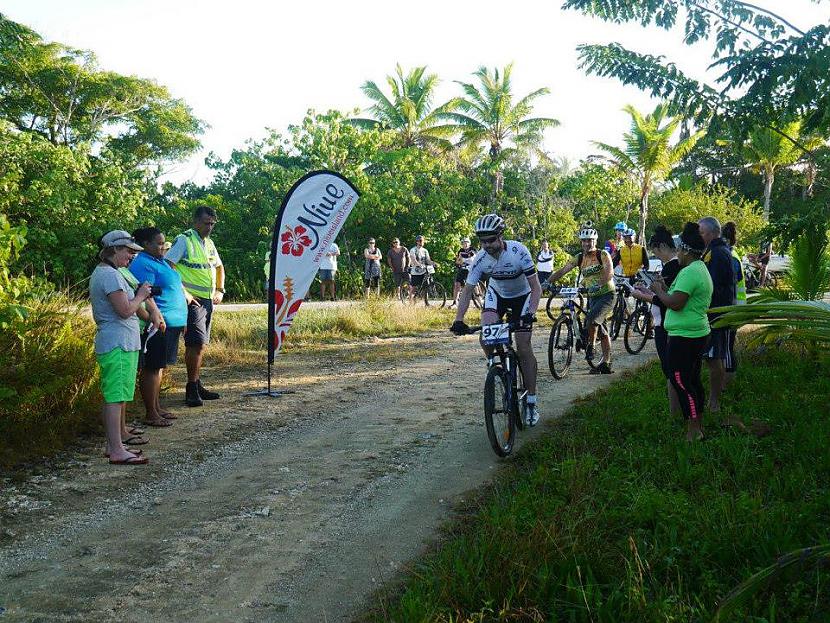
(613, 516)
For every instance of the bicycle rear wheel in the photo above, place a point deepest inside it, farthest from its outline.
(498, 410)
(435, 295)
(560, 347)
(617, 317)
(550, 305)
(636, 331)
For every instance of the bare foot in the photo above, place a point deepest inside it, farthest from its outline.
(694, 432)
(733, 422)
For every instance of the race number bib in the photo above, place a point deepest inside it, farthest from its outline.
(495, 334)
(568, 293)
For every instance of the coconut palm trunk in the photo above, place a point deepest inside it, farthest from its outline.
(769, 179)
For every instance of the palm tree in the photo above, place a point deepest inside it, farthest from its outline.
(409, 109)
(487, 115)
(767, 149)
(648, 155)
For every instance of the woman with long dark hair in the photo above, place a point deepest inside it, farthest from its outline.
(687, 325)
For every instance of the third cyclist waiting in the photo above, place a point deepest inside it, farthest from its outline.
(631, 256)
(596, 271)
(613, 245)
(513, 285)
(463, 259)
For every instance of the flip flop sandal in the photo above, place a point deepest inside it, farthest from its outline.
(133, 460)
(134, 440)
(169, 416)
(135, 430)
(138, 452)
(160, 424)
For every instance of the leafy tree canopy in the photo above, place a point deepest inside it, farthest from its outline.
(769, 68)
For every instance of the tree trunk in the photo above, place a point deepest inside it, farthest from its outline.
(810, 179)
(769, 178)
(641, 234)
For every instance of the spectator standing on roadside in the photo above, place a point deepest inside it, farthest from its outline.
(612, 246)
(195, 257)
(544, 262)
(117, 339)
(662, 245)
(631, 256)
(463, 259)
(328, 270)
(160, 349)
(719, 357)
(397, 257)
(419, 263)
(371, 269)
(687, 301)
(730, 235)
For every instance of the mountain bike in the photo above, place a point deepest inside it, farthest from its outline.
(430, 291)
(638, 328)
(505, 396)
(562, 341)
(619, 314)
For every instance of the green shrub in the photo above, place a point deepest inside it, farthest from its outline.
(48, 379)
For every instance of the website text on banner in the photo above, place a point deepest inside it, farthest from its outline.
(309, 220)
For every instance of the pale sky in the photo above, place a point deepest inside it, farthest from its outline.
(247, 65)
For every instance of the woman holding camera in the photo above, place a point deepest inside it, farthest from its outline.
(160, 348)
(117, 339)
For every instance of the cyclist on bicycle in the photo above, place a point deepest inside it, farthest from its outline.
(463, 259)
(513, 285)
(596, 272)
(631, 256)
(612, 245)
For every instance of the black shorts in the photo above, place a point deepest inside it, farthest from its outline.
(543, 276)
(371, 282)
(198, 323)
(518, 306)
(161, 350)
(417, 279)
(720, 347)
(461, 275)
(400, 278)
(733, 362)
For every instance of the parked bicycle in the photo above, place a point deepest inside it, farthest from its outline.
(619, 315)
(505, 396)
(638, 328)
(570, 332)
(429, 291)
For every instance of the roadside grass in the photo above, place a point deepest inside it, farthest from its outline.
(611, 516)
(241, 337)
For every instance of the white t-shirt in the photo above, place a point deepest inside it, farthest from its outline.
(545, 262)
(329, 262)
(508, 273)
(419, 259)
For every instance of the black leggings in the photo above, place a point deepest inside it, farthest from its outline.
(685, 357)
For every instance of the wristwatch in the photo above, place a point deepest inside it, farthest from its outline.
(220, 290)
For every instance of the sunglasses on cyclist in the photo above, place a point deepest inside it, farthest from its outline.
(489, 240)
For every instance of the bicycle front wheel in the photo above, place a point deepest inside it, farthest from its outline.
(560, 347)
(550, 306)
(636, 331)
(618, 317)
(435, 295)
(498, 410)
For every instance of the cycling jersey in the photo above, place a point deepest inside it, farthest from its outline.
(508, 273)
(467, 256)
(590, 270)
(632, 259)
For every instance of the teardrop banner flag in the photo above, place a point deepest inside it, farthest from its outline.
(309, 220)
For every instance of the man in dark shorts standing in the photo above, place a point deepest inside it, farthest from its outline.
(463, 259)
(397, 257)
(196, 259)
(718, 259)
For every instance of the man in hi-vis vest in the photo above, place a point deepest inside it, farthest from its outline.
(196, 259)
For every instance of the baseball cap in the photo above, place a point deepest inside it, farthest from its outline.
(119, 238)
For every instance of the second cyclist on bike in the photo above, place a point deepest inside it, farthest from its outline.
(596, 272)
(514, 285)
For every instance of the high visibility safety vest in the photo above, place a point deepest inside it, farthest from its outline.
(631, 259)
(740, 286)
(197, 269)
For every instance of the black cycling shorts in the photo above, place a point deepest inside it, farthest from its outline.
(518, 306)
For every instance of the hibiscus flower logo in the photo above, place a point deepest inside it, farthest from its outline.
(294, 241)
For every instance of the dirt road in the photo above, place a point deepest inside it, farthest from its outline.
(257, 509)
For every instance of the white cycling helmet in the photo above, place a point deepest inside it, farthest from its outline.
(489, 225)
(587, 231)
(629, 232)
(465, 239)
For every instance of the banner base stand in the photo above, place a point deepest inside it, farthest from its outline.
(271, 393)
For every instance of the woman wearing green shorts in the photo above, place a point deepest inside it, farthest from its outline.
(117, 340)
